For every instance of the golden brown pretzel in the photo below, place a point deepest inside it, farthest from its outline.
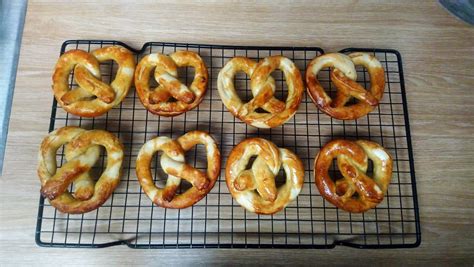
(166, 74)
(352, 161)
(93, 97)
(255, 189)
(263, 87)
(82, 152)
(344, 76)
(173, 163)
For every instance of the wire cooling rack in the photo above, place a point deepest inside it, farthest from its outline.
(217, 221)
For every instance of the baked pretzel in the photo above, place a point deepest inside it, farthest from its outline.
(82, 150)
(355, 192)
(157, 101)
(93, 97)
(173, 163)
(255, 188)
(262, 86)
(344, 76)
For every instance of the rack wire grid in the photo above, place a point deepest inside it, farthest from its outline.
(218, 221)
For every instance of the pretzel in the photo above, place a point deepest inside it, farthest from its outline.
(255, 188)
(352, 161)
(82, 150)
(173, 163)
(344, 76)
(93, 97)
(262, 86)
(157, 101)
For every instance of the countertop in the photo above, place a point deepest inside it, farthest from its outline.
(438, 58)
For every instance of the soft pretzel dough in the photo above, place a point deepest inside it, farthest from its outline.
(173, 163)
(262, 86)
(82, 152)
(344, 77)
(93, 97)
(255, 189)
(352, 161)
(166, 74)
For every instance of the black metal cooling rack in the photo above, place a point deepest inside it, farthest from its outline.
(129, 217)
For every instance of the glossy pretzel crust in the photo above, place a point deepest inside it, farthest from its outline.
(173, 163)
(244, 184)
(352, 161)
(263, 87)
(166, 73)
(343, 75)
(82, 150)
(93, 97)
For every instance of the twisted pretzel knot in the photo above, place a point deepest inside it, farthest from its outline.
(262, 86)
(173, 163)
(82, 151)
(158, 101)
(255, 189)
(352, 161)
(93, 97)
(344, 76)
